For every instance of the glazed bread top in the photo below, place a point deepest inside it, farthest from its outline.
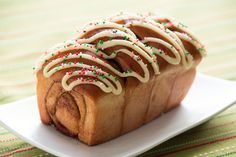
(124, 45)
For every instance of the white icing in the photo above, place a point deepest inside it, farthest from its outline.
(131, 46)
(165, 35)
(48, 70)
(169, 59)
(106, 24)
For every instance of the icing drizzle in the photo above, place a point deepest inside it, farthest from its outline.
(57, 58)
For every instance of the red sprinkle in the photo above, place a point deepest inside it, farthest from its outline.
(70, 72)
(170, 23)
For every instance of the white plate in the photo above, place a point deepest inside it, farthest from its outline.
(207, 97)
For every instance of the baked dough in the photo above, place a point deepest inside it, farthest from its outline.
(117, 75)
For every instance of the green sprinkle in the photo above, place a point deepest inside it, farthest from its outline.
(164, 23)
(126, 38)
(181, 25)
(65, 58)
(101, 42)
(97, 49)
(201, 49)
(129, 70)
(58, 68)
(86, 45)
(101, 75)
(186, 53)
(33, 68)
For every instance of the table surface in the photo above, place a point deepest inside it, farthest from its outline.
(30, 27)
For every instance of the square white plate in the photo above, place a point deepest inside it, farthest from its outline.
(207, 97)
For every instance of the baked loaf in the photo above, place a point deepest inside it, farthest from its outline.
(117, 75)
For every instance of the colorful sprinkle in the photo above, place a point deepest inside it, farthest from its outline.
(126, 38)
(100, 42)
(201, 50)
(181, 25)
(116, 78)
(95, 72)
(97, 49)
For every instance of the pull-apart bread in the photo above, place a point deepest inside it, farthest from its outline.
(116, 75)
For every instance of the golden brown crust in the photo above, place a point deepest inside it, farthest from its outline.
(95, 116)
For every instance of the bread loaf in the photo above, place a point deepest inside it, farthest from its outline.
(117, 75)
